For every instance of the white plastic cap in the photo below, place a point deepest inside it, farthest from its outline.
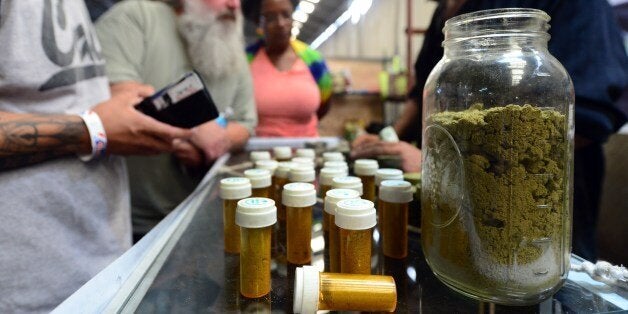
(298, 194)
(388, 134)
(302, 173)
(336, 195)
(260, 178)
(353, 183)
(270, 165)
(259, 155)
(304, 161)
(365, 167)
(327, 174)
(336, 164)
(306, 290)
(387, 174)
(356, 214)
(256, 212)
(333, 156)
(235, 188)
(283, 169)
(282, 152)
(306, 152)
(395, 191)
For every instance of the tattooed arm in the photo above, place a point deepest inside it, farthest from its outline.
(26, 139)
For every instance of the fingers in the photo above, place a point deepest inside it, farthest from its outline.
(363, 139)
(375, 149)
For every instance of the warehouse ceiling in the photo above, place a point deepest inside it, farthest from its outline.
(325, 13)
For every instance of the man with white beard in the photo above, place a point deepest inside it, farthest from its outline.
(155, 43)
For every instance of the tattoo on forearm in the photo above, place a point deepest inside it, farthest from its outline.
(29, 140)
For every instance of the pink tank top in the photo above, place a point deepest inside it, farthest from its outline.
(286, 101)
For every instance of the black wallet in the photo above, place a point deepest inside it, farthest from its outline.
(185, 103)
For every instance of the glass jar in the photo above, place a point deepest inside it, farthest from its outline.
(497, 159)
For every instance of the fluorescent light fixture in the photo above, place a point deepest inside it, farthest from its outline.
(354, 12)
(299, 16)
(307, 7)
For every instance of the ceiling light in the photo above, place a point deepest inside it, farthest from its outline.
(306, 7)
(299, 16)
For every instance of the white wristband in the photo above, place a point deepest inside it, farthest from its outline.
(96, 134)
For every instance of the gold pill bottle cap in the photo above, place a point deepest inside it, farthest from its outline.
(259, 155)
(365, 167)
(332, 197)
(256, 212)
(306, 290)
(282, 152)
(355, 214)
(353, 183)
(298, 194)
(395, 191)
(387, 174)
(327, 174)
(260, 178)
(235, 188)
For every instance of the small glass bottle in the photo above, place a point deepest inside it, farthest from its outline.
(333, 156)
(270, 165)
(381, 175)
(255, 216)
(314, 291)
(282, 153)
(232, 190)
(365, 169)
(325, 178)
(261, 182)
(336, 164)
(348, 182)
(306, 152)
(259, 155)
(298, 198)
(355, 219)
(332, 197)
(395, 195)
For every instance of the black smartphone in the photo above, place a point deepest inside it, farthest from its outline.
(185, 103)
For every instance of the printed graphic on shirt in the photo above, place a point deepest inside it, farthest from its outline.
(82, 60)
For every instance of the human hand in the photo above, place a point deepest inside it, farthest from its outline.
(188, 154)
(364, 138)
(129, 132)
(212, 139)
(409, 154)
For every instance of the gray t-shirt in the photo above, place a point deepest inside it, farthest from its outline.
(62, 221)
(141, 42)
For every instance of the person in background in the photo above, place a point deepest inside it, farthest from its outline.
(586, 39)
(156, 43)
(63, 217)
(291, 81)
(97, 8)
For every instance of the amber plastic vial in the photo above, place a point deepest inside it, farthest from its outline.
(324, 181)
(231, 191)
(270, 165)
(332, 197)
(298, 198)
(355, 220)
(261, 182)
(333, 156)
(347, 182)
(282, 153)
(306, 152)
(381, 175)
(255, 216)
(258, 155)
(281, 179)
(395, 195)
(365, 169)
(315, 291)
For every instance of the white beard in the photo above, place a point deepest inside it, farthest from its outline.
(215, 46)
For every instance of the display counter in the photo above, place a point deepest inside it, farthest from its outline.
(180, 267)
